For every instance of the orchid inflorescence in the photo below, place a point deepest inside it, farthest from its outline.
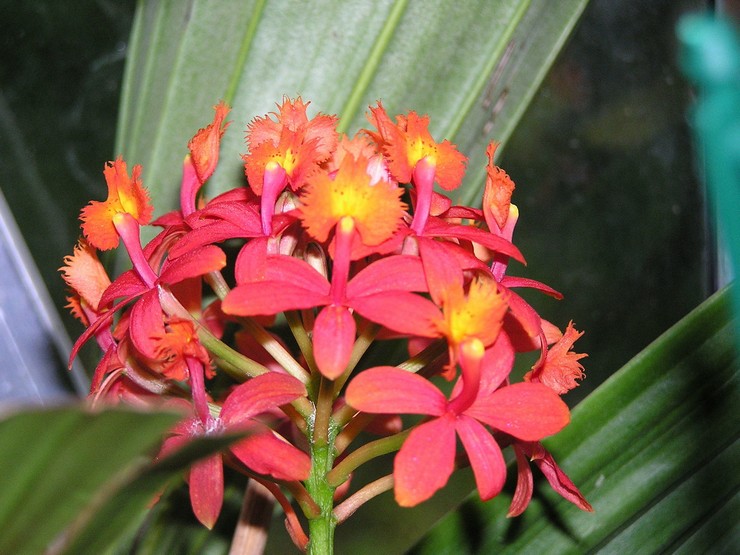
(344, 242)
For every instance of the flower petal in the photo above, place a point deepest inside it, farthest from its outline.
(511, 281)
(558, 479)
(524, 484)
(528, 411)
(266, 454)
(270, 297)
(258, 395)
(333, 339)
(436, 227)
(207, 489)
(195, 263)
(440, 269)
(147, 324)
(425, 461)
(393, 273)
(485, 456)
(389, 390)
(399, 311)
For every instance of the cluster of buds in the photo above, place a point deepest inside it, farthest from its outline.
(340, 244)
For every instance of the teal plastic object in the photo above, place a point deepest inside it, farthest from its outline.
(710, 57)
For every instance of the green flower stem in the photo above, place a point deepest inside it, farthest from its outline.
(276, 350)
(305, 501)
(343, 415)
(293, 318)
(235, 363)
(324, 403)
(217, 282)
(321, 528)
(351, 427)
(341, 472)
(347, 508)
(426, 359)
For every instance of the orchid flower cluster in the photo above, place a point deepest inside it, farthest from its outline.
(342, 243)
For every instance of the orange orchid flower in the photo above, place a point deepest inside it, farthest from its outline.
(414, 156)
(497, 194)
(204, 146)
(286, 152)
(561, 368)
(85, 275)
(126, 195)
(376, 210)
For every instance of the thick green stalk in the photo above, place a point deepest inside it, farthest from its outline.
(321, 528)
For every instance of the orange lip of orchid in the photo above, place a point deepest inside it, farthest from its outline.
(125, 195)
(376, 210)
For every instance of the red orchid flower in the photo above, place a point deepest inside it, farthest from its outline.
(286, 152)
(525, 411)
(126, 196)
(414, 156)
(561, 369)
(262, 452)
(558, 480)
(377, 292)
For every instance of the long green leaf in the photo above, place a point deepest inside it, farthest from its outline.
(54, 461)
(654, 449)
(122, 507)
(472, 66)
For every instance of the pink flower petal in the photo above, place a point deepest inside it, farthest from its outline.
(259, 395)
(425, 461)
(524, 314)
(213, 232)
(195, 263)
(394, 273)
(558, 479)
(497, 364)
(333, 339)
(251, 263)
(485, 457)
(294, 271)
(524, 484)
(270, 297)
(207, 489)
(438, 228)
(147, 324)
(440, 269)
(389, 390)
(511, 281)
(128, 284)
(266, 454)
(523, 411)
(399, 311)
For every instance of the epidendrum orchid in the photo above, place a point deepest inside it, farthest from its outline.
(346, 240)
